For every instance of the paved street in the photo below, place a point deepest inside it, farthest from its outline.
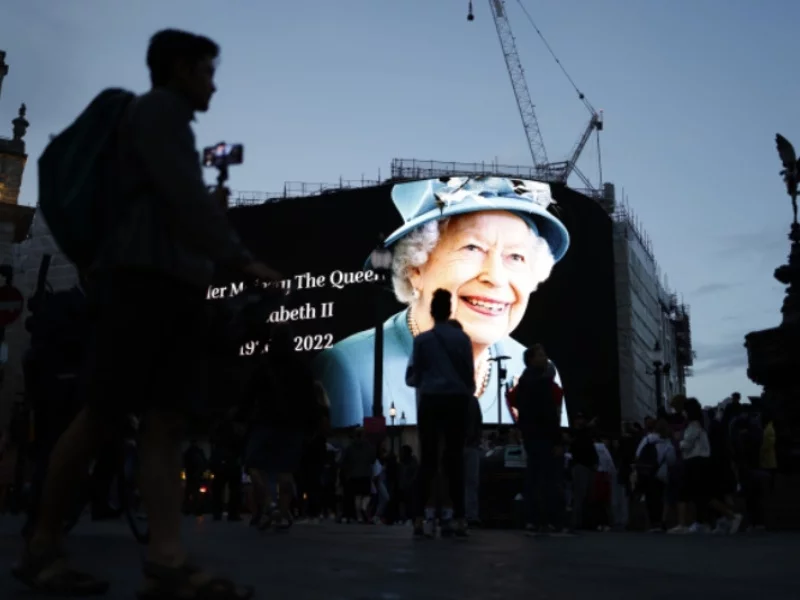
(338, 562)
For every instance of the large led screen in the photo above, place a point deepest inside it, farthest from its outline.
(510, 251)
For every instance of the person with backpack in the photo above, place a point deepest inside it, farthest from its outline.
(654, 456)
(123, 194)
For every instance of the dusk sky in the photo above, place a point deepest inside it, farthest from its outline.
(693, 93)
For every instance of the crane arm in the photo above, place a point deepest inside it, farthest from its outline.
(596, 122)
(517, 74)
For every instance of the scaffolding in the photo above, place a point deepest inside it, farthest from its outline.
(300, 189)
(410, 169)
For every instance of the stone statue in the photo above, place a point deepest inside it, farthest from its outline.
(791, 170)
(21, 124)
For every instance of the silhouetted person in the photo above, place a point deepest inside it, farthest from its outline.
(194, 465)
(442, 369)
(164, 234)
(538, 400)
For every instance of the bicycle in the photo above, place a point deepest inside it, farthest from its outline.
(237, 319)
(127, 491)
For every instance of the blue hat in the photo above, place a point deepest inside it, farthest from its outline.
(420, 202)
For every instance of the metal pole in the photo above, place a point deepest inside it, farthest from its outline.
(499, 396)
(658, 384)
(377, 391)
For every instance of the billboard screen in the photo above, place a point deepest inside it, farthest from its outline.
(490, 241)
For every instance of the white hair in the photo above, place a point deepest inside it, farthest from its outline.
(415, 249)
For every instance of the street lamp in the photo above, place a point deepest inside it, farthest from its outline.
(381, 264)
(392, 416)
(656, 358)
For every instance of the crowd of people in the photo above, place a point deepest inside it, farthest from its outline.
(686, 470)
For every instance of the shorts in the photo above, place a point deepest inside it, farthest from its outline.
(274, 450)
(148, 347)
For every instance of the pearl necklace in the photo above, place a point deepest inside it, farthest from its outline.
(483, 371)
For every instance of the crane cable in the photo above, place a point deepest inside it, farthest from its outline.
(581, 95)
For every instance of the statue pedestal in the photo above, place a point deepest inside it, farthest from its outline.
(773, 357)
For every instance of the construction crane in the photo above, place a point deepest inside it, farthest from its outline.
(553, 172)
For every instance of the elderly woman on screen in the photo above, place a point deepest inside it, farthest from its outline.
(490, 242)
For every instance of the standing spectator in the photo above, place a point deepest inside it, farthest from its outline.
(194, 465)
(472, 463)
(442, 369)
(358, 461)
(406, 482)
(654, 456)
(697, 492)
(584, 466)
(603, 486)
(286, 410)
(768, 460)
(537, 400)
(226, 467)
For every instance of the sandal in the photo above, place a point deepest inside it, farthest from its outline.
(188, 582)
(50, 575)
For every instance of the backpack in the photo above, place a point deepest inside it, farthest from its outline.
(647, 465)
(75, 171)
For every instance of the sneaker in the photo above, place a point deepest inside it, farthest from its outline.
(532, 531)
(429, 529)
(698, 528)
(736, 522)
(722, 527)
(679, 530)
(565, 532)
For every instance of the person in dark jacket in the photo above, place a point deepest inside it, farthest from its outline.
(538, 402)
(284, 410)
(584, 466)
(472, 463)
(225, 464)
(442, 369)
(194, 465)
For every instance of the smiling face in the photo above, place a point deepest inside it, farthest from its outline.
(488, 262)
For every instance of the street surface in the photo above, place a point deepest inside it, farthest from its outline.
(360, 562)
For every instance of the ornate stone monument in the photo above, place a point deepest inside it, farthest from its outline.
(773, 355)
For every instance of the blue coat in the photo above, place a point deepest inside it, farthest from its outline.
(346, 371)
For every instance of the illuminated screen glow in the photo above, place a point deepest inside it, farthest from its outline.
(322, 243)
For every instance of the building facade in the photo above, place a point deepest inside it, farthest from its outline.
(15, 222)
(653, 335)
(600, 315)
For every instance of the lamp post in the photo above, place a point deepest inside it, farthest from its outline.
(392, 416)
(381, 264)
(501, 379)
(656, 357)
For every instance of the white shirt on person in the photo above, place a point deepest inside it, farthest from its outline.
(606, 461)
(694, 443)
(665, 451)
